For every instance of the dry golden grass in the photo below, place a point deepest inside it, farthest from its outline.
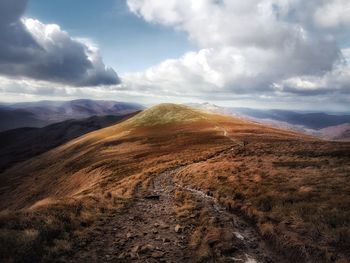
(106, 166)
(296, 189)
(43, 233)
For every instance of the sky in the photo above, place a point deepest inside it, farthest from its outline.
(125, 41)
(290, 54)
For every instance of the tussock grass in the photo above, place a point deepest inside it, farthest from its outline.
(301, 205)
(48, 232)
(32, 236)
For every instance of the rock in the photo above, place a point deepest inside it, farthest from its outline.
(129, 235)
(146, 248)
(122, 255)
(178, 228)
(156, 225)
(164, 226)
(135, 249)
(166, 240)
(157, 254)
(155, 231)
(238, 235)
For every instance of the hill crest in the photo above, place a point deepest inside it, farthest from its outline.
(166, 113)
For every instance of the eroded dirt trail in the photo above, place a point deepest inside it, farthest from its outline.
(150, 231)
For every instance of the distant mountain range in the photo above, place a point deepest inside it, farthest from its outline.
(325, 125)
(42, 113)
(15, 118)
(23, 143)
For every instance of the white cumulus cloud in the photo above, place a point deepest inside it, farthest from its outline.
(254, 47)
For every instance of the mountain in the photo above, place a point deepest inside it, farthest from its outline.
(13, 118)
(317, 120)
(23, 143)
(42, 113)
(338, 132)
(179, 184)
(309, 123)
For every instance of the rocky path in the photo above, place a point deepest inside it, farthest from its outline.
(149, 231)
(145, 232)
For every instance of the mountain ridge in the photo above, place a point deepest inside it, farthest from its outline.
(135, 191)
(311, 123)
(42, 113)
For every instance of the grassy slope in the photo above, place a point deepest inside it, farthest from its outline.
(24, 143)
(293, 187)
(166, 114)
(296, 192)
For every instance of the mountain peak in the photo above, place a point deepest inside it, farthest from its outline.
(166, 113)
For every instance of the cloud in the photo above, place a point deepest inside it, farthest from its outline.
(333, 14)
(18, 90)
(334, 81)
(32, 49)
(253, 47)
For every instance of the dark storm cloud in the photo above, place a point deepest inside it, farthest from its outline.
(32, 49)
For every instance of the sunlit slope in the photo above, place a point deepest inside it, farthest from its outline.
(295, 189)
(161, 136)
(164, 114)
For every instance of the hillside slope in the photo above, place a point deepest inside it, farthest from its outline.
(173, 179)
(14, 118)
(23, 143)
(339, 132)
